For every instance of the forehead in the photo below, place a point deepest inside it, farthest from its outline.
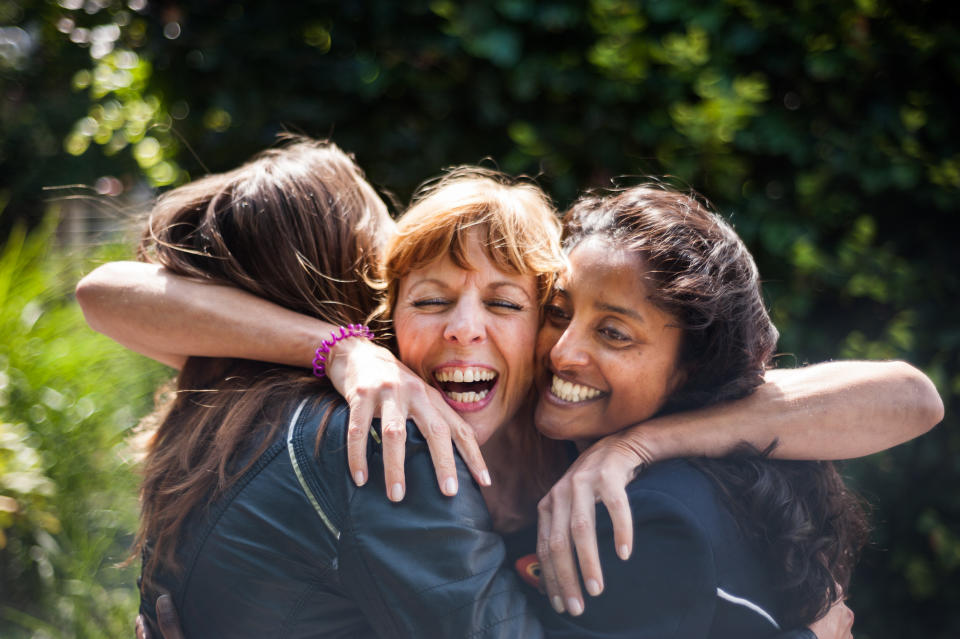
(480, 270)
(597, 258)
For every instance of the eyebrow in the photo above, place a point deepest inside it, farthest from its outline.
(612, 308)
(494, 285)
(505, 283)
(604, 306)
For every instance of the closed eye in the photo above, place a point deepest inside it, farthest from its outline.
(433, 301)
(507, 304)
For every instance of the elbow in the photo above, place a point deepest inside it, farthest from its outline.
(925, 401)
(91, 294)
(86, 293)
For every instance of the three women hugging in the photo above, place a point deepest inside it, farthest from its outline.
(606, 382)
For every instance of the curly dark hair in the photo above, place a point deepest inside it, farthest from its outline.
(809, 524)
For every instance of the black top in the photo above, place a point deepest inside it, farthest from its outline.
(692, 573)
(295, 549)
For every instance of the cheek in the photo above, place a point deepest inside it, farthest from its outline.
(403, 334)
(520, 352)
(546, 339)
(412, 337)
(528, 342)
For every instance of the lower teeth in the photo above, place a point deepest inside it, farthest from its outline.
(467, 398)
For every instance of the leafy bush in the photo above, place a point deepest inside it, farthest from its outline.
(68, 398)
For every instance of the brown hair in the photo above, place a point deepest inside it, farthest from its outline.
(800, 513)
(701, 273)
(518, 228)
(298, 226)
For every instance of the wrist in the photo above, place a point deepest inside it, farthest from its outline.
(639, 444)
(339, 342)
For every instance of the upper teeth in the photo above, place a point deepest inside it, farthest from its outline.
(464, 375)
(571, 392)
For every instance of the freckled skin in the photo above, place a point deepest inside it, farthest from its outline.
(485, 317)
(602, 331)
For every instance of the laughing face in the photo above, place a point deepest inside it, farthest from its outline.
(471, 334)
(607, 355)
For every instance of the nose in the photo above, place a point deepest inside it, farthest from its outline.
(465, 324)
(568, 352)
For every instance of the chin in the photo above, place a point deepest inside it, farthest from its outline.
(481, 428)
(552, 428)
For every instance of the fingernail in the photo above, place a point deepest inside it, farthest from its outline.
(396, 493)
(485, 478)
(557, 604)
(450, 486)
(359, 478)
(593, 587)
(574, 607)
(624, 552)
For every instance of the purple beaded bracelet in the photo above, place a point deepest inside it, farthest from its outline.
(350, 330)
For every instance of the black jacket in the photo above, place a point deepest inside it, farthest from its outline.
(295, 549)
(692, 573)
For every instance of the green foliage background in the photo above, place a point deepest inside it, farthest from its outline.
(825, 130)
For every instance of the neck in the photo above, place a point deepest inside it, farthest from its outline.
(510, 500)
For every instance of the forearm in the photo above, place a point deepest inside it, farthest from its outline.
(836, 410)
(169, 318)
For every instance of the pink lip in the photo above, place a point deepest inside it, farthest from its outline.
(462, 407)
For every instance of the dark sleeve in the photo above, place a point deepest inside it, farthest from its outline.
(666, 590)
(803, 633)
(430, 566)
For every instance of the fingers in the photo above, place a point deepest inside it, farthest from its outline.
(167, 618)
(464, 437)
(466, 441)
(560, 550)
(848, 618)
(437, 435)
(361, 414)
(548, 576)
(394, 434)
(618, 505)
(141, 628)
(836, 624)
(583, 528)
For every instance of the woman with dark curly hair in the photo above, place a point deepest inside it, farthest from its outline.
(660, 311)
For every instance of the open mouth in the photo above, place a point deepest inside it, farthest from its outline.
(465, 384)
(573, 393)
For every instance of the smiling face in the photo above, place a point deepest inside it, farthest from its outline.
(607, 356)
(471, 334)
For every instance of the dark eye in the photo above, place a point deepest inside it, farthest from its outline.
(555, 313)
(613, 334)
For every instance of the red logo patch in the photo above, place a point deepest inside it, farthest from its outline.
(528, 567)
